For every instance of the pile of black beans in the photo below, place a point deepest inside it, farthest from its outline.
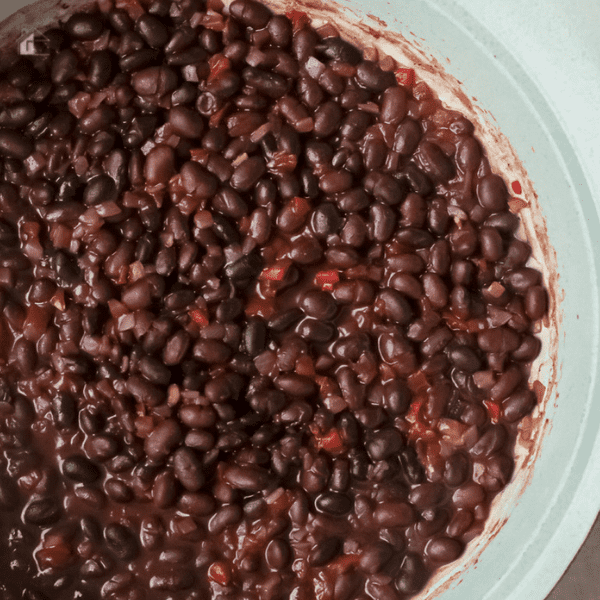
(266, 325)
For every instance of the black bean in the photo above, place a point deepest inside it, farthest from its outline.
(246, 267)
(42, 512)
(153, 30)
(325, 551)
(84, 26)
(9, 493)
(285, 319)
(382, 221)
(327, 119)
(248, 477)
(374, 556)
(14, 144)
(517, 405)
(255, 336)
(80, 469)
(250, 13)
(229, 514)
(407, 137)
(370, 76)
(413, 574)
(186, 122)
(456, 469)
(188, 469)
(384, 443)
(444, 549)
(492, 193)
(394, 306)
(163, 439)
(296, 385)
(121, 541)
(334, 503)
(412, 467)
(336, 48)
(64, 409)
(434, 162)
(393, 105)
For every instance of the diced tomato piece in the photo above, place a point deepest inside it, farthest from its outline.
(516, 187)
(282, 162)
(405, 76)
(298, 18)
(259, 307)
(418, 383)
(218, 64)
(273, 273)
(413, 412)
(493, 409)
(200, 155)
(326, 279)
(215, 118)
(344, 563)
(220, 573)
(330, 442)
(199, 316)
(301, 206)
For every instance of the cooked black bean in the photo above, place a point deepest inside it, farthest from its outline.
(80, 469)
(163, 439)
(334, 503)
(14, 144)
(64, 409)
(188, 469)
(393, 105)
(384, 443)
(84, 26)
(9, 493)
(153, 30)
(325, 551)
(407, 137)
(394, 306)
(492, 193)
(121, 541)
(370, 76)
(42, 512)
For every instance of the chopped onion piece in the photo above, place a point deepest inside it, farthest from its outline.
(314, 67)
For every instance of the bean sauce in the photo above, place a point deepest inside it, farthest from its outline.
(266, 329)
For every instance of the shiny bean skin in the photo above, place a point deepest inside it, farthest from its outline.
(444, 549)
(517, 405)
(492, 193)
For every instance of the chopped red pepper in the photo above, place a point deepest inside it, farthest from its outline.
(326, 279)
(218, 64)
(219, 572)
(298, 18)
(413, 412)
(344, 563)
(516, 187)
(405, 76)
(301, 206)
(330, 442)
(418, 383)
(199, 316)
(273, 273)
(259, 307)
(282, 162)
(215, 118)
(493, 409)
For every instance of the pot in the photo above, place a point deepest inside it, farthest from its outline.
(529, 99)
